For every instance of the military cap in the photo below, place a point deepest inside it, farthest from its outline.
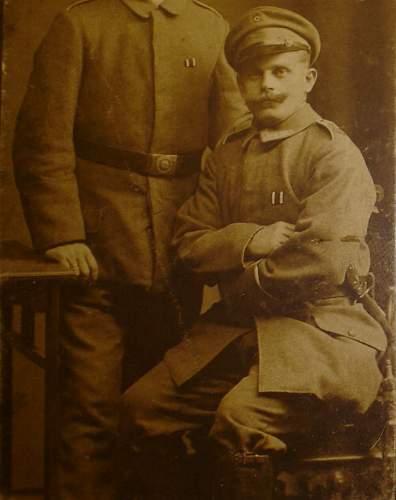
(269, 30)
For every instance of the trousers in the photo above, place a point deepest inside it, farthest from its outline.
(222, 400)
(110, 337)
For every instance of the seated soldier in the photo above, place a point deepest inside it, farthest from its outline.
(280, 214)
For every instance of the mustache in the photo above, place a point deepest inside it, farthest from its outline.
(267, 98)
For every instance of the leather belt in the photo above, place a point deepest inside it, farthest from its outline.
(152, 164)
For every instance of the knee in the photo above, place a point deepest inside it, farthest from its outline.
(252, 424)
(229, 430)
(230, 413)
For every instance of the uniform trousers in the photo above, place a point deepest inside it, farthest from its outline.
(222, 400)
(111, 336)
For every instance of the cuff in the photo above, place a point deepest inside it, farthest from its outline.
(265, 294)
(245, 261)
(237, 237)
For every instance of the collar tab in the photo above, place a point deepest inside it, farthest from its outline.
(297, 122)
(329, 126)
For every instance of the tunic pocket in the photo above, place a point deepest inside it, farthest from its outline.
(357, 326)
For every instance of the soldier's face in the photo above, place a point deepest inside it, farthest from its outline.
(274, 86)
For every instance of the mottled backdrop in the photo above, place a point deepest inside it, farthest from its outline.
(355, 89)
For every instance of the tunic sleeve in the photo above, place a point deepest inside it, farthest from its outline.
(330, 234)
(204, 243)
(330, 230)
(44, 157)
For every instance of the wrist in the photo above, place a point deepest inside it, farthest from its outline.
(258, 248)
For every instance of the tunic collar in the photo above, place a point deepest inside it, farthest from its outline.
(298, 121)
(144, 9)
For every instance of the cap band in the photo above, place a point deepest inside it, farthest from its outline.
(269, 41)
(263, 50)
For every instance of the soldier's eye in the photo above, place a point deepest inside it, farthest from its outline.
(280, 72)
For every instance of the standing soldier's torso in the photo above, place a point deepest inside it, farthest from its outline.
(147, 76)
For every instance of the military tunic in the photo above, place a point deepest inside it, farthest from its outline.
(121, 74)
(312, 338)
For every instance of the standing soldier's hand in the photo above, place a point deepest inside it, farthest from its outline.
(77, 257)
(268, 239)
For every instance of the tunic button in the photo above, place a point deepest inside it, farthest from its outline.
(351, 333)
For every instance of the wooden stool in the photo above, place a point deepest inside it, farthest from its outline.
(29, 285)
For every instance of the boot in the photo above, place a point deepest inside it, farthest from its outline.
(244, 476)
(165, 472)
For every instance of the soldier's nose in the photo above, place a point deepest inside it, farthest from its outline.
(267, 82)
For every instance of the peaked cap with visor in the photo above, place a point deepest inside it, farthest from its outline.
(270, 30)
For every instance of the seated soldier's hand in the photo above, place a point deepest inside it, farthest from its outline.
(268, 239)
(77, 257)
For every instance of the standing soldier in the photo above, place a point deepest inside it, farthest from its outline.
(123, 98)
(278, 220)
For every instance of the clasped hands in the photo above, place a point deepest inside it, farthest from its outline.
(268, 239)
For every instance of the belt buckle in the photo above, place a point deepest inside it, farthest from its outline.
(164, 164)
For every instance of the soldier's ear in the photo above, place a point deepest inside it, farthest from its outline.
(310, 79)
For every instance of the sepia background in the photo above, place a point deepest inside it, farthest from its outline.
(355, 89)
